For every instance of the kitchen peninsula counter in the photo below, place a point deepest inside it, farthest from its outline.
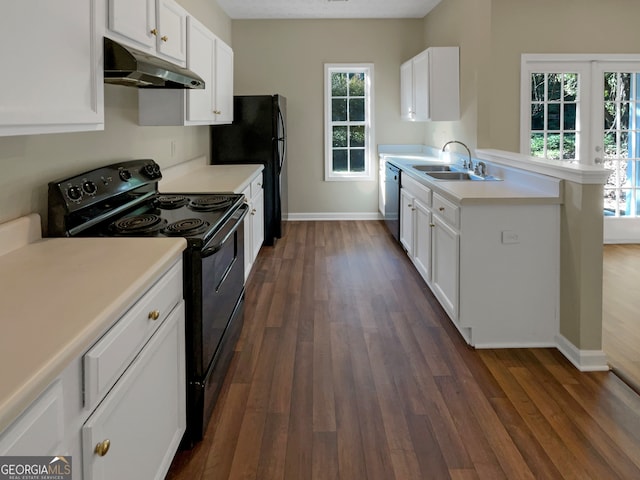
(59, 295)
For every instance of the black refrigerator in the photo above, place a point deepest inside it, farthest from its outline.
(258, 135)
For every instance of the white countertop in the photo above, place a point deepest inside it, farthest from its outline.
(524, 188)
(195, 176)
(58, 295)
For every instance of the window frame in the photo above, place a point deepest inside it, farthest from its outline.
(369, 151)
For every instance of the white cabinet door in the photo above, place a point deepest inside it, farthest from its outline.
(201, 48)
(257, 214)
(135, 21)
(421, 86)
(422, 240)
(56, 49)
(407, 105)
(445, 265)
(172, 31)
(223, 83)
(40, 429)
(143, 417)
(406, 221)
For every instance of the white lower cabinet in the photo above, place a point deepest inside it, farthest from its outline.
(445, 270)
(119, 410)
(135, 431)
(493, 267)
(253, 223)
(415, 224)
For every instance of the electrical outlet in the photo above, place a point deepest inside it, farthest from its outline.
(510, 237)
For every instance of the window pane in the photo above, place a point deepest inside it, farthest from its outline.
(610, 82)
(554, 86)
(553, 116)
(357, 160)
(338, 84)
(624, 116)
(356, 84)
(356, 110)
(339, 136)
(537, 116)
(624, 145)
(357, 137)
(570, 87)
(339, 110)
(553, 146)
(570, 116)
(569, 146)
(624, 87)
(537, 87)
(609, 115)
(340, 163)
(537, 145)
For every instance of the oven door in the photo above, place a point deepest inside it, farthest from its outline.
(214, 281)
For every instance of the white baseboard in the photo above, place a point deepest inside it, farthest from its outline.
(583, 360)
(329, 216)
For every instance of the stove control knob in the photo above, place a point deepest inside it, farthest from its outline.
(124, 174)
(89, 187)
(151, 170)
(74, 193)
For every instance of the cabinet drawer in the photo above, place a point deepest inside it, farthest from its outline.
(40, 429)
(110, 356)
(446, 210)
(143, 417)
(256, 186)
(418, 190)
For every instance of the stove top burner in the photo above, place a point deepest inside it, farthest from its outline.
(210, 203)
(188, 226)
(170, 202)
(139, 225)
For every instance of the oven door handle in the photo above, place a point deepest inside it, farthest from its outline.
(206, 252)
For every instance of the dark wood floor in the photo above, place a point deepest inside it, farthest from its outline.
(348, 368)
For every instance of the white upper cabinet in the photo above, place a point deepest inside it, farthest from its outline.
(430, 85)
(157, 27)
(52, 64)
(211, 59)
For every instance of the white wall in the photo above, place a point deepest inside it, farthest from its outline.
(288, 57)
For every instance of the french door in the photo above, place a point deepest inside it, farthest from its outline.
(586, 109)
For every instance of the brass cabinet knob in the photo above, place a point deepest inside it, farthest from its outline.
(154, 315)
(441, 209)
(103, 447)
(217, 112)
(154, 32)
(253, 212)
(164, 38)
(432, 225)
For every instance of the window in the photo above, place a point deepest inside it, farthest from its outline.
(348, 122)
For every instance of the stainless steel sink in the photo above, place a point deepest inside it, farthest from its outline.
(459, 176)
(432, 168)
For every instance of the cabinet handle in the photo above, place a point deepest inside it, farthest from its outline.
(154, 315)
(103, 447)
(441, 209)
(432, 225)
(253, 212)
(164, 38)
(217, 112)
(154, 32)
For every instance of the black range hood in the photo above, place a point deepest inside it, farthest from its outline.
(133, 68)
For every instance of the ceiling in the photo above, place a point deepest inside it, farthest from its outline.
(289, 9)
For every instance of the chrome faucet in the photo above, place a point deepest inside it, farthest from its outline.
(465, 164)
